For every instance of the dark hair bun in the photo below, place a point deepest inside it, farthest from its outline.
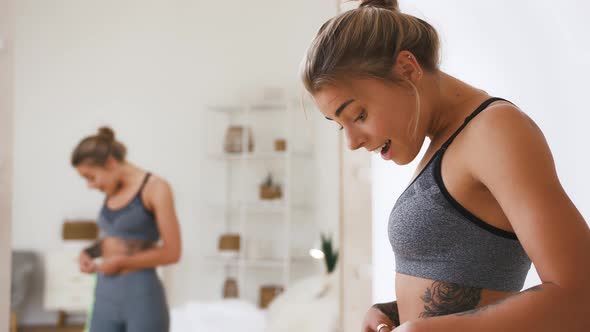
(386, 4)
(106, 133)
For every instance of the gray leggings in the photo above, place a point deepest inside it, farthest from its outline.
(132, 302)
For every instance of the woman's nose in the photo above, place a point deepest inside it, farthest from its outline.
(355, 139)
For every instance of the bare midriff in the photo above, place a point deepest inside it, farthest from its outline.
(422, 298)
(115, 246)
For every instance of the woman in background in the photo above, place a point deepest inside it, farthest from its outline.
(137, 213)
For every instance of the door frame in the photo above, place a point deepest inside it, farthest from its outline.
(6, 147)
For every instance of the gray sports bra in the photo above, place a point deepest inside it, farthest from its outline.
(434, 237)
(133, 221)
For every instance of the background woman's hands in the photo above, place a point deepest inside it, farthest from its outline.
(110, 265)
(86, 263)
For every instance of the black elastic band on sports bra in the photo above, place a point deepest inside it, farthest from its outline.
(478, 110)
(145, 180)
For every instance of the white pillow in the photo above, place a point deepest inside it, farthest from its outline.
(310, 305)
(219, 316)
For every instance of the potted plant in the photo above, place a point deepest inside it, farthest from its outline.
(330, 253)
(269, 189)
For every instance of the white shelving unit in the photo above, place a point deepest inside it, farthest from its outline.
(245, 207)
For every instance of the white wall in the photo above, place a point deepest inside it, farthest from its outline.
(534, 53)
(147, 69)
(355, 234)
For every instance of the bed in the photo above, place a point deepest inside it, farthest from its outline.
(310, 305)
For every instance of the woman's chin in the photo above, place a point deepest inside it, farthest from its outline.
(107, 191)
(401, 160)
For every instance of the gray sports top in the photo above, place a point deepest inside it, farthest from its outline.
(434, 237)
(133, 221)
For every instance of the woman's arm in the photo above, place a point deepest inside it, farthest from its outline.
(160, 199)
(545, 307)
(508, 154)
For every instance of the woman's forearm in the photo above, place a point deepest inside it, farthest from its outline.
(546, 307)
(150, 258)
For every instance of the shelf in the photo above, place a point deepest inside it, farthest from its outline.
(260, 107)
(271, 217)
(256, 262)
(265, 207)
(262, 207)
(260, 155)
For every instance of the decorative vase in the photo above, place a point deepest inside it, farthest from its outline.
(230, 288)
(234, 139)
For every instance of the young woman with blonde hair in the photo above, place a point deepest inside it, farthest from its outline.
(485, 201)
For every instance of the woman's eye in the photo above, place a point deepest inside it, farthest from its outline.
(362, 116)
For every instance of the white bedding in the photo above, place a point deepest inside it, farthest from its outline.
(220, 316)
(309, 305)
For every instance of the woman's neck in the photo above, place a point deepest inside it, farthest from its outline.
(128, 176)
(449, 102)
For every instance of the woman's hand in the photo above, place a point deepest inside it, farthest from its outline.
(411, 326)
(111, 265)
(402, 328)
(373, 318)
(86, 263)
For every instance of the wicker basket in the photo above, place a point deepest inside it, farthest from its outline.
(280, 145)
(267, 294)
(229, 242)
(270, 192)
(79, 230)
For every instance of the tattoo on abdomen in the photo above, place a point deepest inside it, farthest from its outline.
(445, 298)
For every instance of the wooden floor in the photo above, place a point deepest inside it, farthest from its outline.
(52, 329)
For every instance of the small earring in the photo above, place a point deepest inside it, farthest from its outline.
(409, 56)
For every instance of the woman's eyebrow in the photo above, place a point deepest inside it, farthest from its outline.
(341, 108)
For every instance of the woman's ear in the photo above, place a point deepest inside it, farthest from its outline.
(407, 67)
(111, 163)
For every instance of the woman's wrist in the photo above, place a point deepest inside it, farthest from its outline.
(123, 261)
(410, 326)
